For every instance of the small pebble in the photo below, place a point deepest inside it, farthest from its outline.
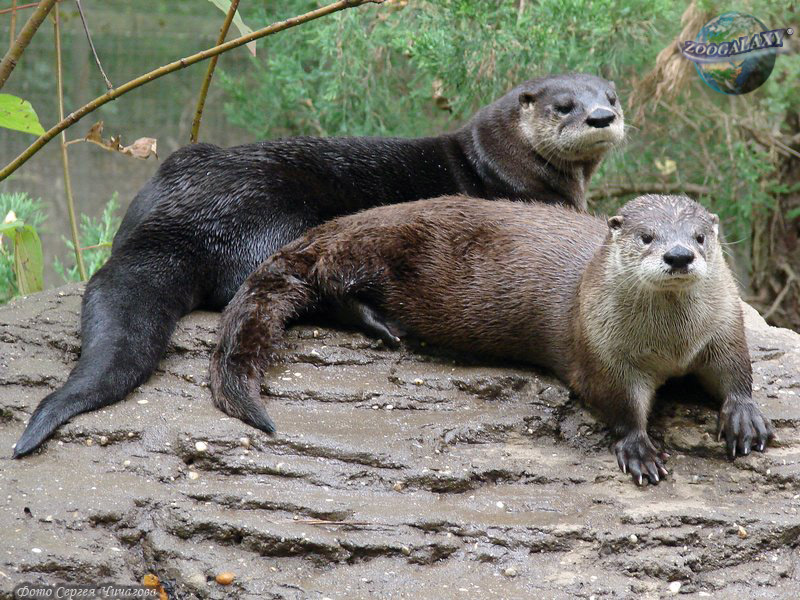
(389, 406)
(244, 442)
(418, 381)
(398, 486)
(633, 538)
(142, 402)
(315, 333)
(36, 550)
(742, 533)
(675, 587)
(193, 474)
(225, 578)
(89, 442)
(48, 519)
(510, 572)
(130, 434)
(405, 550)
(201, 446)
(126, 463)
(500, 505)
(197, 580)
(104, 440)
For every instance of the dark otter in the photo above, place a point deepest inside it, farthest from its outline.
(613, 309)
(211, 215)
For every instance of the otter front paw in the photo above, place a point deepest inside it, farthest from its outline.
(637, 455)
(744, 427)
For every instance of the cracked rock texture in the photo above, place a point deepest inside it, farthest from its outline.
(410, 474)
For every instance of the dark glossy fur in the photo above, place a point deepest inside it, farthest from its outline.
(210, 215)
(512, 281)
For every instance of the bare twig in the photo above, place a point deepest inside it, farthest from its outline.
(101, 245)
(15, 51)
(64, 159)
(13, 26)
(91, 45)
(791, 278)
(14, 8)
(624, 189)
(75, 116)
(201, 100)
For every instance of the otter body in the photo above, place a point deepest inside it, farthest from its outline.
(210, 215)
(613, 309)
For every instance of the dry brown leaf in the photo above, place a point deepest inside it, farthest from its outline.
(142, 148)
(95, 133)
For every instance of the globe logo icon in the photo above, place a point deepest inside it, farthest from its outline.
(735, 52)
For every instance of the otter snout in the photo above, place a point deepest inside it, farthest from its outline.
(678, 257)
(600, 117)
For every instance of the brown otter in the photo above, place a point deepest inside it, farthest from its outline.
(614, 309)
(210, 215)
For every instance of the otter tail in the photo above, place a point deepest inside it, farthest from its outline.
(252, 330)
(127, 317)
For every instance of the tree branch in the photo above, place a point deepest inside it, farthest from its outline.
(75, 116)
(13, 26)
(613, 190)
(73, 221)
(15, 51)
(201, 100)
(91, 45)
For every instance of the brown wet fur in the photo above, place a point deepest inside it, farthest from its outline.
(510, 280)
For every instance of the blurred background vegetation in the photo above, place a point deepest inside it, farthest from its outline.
(417, 67)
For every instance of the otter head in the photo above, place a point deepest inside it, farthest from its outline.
(571, 117)
(663, 242)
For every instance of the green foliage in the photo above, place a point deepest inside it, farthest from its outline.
(372, 70)
(20, 249)
(95, 237)
(18, 114)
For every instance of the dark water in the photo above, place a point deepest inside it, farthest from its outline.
(131, 38)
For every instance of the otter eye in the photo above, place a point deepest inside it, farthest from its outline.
(612, 98)
(646, 238)
(700, 238)
(564, 109)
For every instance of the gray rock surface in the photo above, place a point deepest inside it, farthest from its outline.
(394, 475)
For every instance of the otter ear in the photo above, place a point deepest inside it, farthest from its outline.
(527, 99)
(615, 223)
(715, 224)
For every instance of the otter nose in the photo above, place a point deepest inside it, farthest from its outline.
(600, 117)
(678, 257)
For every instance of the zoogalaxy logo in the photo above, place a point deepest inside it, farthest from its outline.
(735, 52)
(710, 52)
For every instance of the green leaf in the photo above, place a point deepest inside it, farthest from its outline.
(28, 260)
(18, 114)
(9, 228)
(224, 6)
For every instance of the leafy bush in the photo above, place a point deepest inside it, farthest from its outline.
(95, 237)
(28, 210)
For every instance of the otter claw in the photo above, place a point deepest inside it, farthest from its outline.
(637, 455)
(741, 423)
